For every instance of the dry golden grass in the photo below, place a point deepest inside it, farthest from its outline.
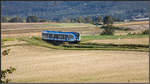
(39, 64)
(35, 29)
(132, 23)
(32, 29)
(144, 41)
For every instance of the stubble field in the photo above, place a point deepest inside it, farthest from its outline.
(38, 64)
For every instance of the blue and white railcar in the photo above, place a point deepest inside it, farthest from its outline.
(61, 36)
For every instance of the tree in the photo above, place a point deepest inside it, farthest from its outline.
(43, 20)
(108, 30)
(32, 19)
(16, 19)
(108, 20)
(98, 19)
(73, 20)
(76, 20)
(81, 20)
(89, 19)
(4, 19)
(66, 20)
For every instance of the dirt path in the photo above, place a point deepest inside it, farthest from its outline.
(39, 64)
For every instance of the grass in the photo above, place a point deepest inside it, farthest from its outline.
(37, 41)
(7, 39)
(88, 46)
(67, 25)
(94, 46)
(73, 24)
(86, 38)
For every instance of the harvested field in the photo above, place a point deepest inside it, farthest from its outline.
(26, 29)
(76, 66)
(35, 29)
(132, 23)
(144, 41)
(138, 26)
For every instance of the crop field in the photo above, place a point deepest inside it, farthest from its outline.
(48, 65)
(35, 29)
(97, 58)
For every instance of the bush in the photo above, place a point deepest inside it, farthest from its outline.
(132, 33)
(108, 30)
(43, 20)
(4, 19)
(145, 32)
(10, 70)
(117, 28)
(32, 19)
(16, 19)
(108, 20)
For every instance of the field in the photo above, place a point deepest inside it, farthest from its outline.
(121, 58)
(48, 65)
(35, 29)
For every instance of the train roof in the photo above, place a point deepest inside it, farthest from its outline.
(46, 31)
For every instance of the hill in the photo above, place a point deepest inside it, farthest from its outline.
(70, 9)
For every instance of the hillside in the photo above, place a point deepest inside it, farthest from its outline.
(69, 9)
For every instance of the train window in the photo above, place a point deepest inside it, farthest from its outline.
(45, 35)
(70, 37)
(63, 36)
(60, 36)
(66, 36)
(56, 36)
(50, 36)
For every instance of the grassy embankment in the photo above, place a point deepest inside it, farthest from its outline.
(84, 45)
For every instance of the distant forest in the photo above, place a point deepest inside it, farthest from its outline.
(72, 10)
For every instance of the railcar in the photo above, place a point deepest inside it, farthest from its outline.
(73, 37)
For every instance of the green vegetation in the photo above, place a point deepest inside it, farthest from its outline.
(37, 41)
(108, 30)
(95, 46)
(5, 72)
(32, 19)
(4, 19)
(7, 39)
(16, 19)
(108, 20)
(86, 38)
(146, 32)
(10, 70)
(116, 28)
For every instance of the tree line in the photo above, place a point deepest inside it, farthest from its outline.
(21, 20)
(88, 19)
